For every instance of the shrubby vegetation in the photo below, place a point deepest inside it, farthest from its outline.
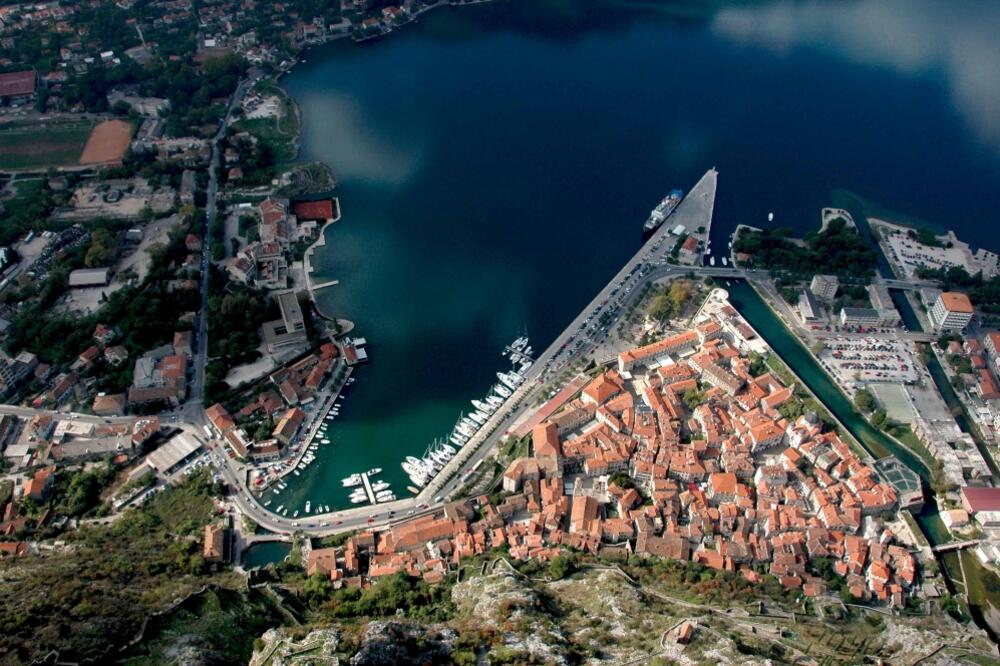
(864, 400)
(95, 594)
(137, 311)
(235, 314)
(417, 599)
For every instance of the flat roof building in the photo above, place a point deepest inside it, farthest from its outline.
(290, 329)
(808, 306)
(291, 312)
(88, 277)
(868, 317)
(824, 286)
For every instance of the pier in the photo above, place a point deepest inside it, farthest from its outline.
(368, 488)
(328, 283)
(312, 429)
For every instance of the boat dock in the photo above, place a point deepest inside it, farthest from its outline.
(368, 487)
(328, 283)
(312, 430)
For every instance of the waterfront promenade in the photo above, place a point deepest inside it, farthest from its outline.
(307, 267)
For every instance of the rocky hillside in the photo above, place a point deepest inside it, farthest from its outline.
(601, 616)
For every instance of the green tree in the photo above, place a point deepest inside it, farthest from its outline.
(561, 566)
(693, 397)
(864, 400)
(102, 248)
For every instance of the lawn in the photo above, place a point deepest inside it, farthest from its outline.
(905, 435)
(41, 145)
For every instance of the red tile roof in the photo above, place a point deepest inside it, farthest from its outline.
(17, 84)
(981, 499)
(314, 210)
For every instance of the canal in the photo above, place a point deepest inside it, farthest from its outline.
(912, 323)
(753, 308)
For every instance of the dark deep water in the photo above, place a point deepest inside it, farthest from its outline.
(497, 163)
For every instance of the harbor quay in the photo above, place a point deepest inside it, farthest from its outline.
(576, 341)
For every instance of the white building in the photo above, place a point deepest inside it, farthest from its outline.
(824, 286)
(868, 317)
(951, 311)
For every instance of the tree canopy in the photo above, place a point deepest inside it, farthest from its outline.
(838, 249)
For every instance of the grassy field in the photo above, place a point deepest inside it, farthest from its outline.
(279, 132)
(39, 146)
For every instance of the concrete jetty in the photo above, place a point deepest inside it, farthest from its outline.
(368, 487)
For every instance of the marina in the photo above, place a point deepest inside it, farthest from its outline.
(421, 470)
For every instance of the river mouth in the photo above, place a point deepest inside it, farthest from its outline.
(497, 163)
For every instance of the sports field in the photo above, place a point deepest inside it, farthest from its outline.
(108, 143)
(41, 145)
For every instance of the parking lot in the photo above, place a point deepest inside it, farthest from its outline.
(864, 360)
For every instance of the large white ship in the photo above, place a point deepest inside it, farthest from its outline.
(663, 210)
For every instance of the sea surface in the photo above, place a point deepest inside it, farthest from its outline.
(496, 164)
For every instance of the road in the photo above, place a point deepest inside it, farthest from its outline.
(29, 412)
(193, 409)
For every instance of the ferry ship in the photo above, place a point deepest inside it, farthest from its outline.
(663, 210)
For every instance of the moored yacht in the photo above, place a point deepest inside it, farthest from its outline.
(484, 407)
(508, 380)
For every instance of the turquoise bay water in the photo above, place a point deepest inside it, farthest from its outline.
(497, 162)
